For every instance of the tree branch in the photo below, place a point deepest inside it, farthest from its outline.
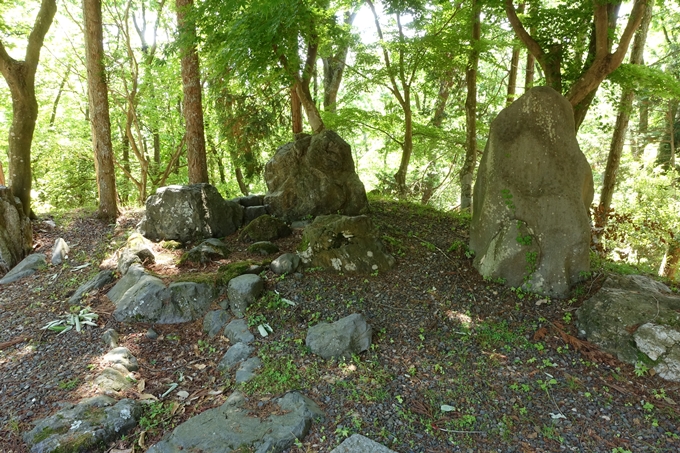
(524, 36)
(48, 9)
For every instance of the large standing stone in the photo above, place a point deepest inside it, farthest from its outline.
(189, 213)
(346, 336)
(633, 316)
(346, 244)
(530, 223)
(314, 175)
(16, 234)
(230, 428)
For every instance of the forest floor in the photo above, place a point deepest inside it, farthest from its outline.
(457, 363)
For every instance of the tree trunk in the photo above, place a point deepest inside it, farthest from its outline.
(445, 85)
(295, 110)
(55, 105)
(333, 70)
(671, 261)
(514, 68)
(530, 70)
(192, 105)
(313, 115)
(20, 77)
(406, 147)
(99, 109)
(467, 172)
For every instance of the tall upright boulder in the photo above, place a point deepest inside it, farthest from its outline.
(189, 214)
(530, 222)
(314, 175)
(16, 235)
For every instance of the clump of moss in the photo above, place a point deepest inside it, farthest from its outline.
(264, 228)
(263, 248)
(48, 431)
(171, 245)
(232, 270)
(206, 278)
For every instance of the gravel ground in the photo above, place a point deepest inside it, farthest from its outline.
(457, 363)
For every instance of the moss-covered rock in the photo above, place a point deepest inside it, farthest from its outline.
(264, 228)
(228, 271)
(206, 251)
(263, 248)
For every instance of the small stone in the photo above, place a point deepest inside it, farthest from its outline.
(247, 370)
(234, 355)
(122, 356)
(151, 334)
(237, 331)
(110, 338)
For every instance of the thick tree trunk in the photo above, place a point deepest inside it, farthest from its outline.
(99, 109)
(192, 105)
(468, 170)
(20, 77)
(295, 110)
(307, 101)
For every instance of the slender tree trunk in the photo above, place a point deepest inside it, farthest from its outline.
(445, 85)
(671, 261)
(467, 172)
(55, 105)
(514, 67)
(192, 106)
(672, 108)
(333, 70)
(20, 77)
(307, 101)
(99, 109)
(407, 145)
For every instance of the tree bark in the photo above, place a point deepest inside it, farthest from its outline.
(467, 172)
(530, 70)
(333, 70)
(100, 122)
(514, 68)
(295, 111)
(192, 105)
(20, 77)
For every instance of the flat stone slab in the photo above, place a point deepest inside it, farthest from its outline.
(84, 426)
(27, 266)
(230, 428)
(357, 443)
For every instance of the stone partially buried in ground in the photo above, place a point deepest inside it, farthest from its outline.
(99, 281)
(530, 222)
(357, 443)
(85, 426)
(208, 250)
(263, 248)
(236, 354)
(27, 266)
(237, 331)
(346, 244)
(314, 175)
(189, 214)
(631, 317)
(243, 291)
(347, 336)
(230, 428)
(214, 321)
(285, 264)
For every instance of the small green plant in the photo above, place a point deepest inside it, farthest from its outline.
(256, 320)
(204, 346)
(77, 318)
(507, 199)
(640, 369)
(69, 384)
(524, 240)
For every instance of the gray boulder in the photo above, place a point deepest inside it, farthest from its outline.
(85, 426)
(27, 266)
(285, 264)
(189, 214)
(314, 175)
(237, 332)
(235, 354)
(243, 291)
(99, 281)
(634, 317)
(263, 248)
(214, 321)
(140, 297)
(530, 223)
(346, 244)
(250, 200)
(265, 228)
(356, 443)
(230, 428)
(247, 370)
(347, 336)
(16, 234)
(253, 212)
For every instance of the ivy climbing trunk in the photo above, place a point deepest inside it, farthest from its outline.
(100, 121)
(192, 104)
(20, 78)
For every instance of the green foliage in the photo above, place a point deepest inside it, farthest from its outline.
(647, 81)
